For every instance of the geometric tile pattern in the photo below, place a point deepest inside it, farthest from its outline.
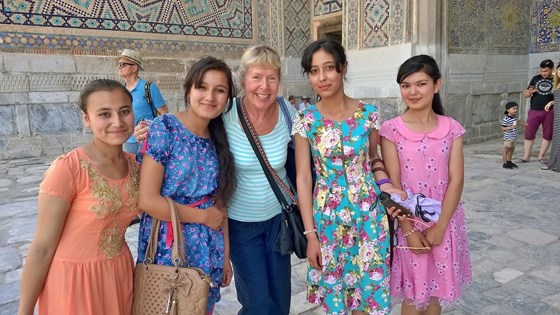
(322, 7)
(398, 26)
(296, 27)
(545, 26)
(376, 23)
(351, 24)
(222, 18)
(495, 26)
(467, 25)
(41, 43)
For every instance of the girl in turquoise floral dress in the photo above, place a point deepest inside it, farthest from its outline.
(346, 229)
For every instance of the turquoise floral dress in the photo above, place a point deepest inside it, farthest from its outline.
(352, 227)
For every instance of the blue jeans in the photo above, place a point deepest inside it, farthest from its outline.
(131, 147)
(262, 276)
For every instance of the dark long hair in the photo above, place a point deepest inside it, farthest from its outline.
(331, 47)
(428, 65)
(100, 85)
(226, 179)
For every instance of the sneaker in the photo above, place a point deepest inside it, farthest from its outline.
(512, 164)
(507, 165)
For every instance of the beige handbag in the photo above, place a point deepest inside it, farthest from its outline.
(169, 289)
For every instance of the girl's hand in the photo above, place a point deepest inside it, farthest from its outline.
(314, 256)
(434, 234)
(214, 217)
(227, 274)
(549, 105)
(141, 131)
(417, 241)
(390, 189)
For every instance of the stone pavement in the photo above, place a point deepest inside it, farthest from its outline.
(513, 218)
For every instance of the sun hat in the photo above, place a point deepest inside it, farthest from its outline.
(305, 98)
(133, 56)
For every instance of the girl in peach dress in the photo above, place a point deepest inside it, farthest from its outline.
(79, 262)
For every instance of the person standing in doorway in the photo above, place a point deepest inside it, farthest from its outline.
(305, 103)
(129, 65)
(540, 92)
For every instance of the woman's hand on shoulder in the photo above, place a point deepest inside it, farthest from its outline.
(141, 131)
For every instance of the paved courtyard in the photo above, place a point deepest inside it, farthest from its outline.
(513, 222)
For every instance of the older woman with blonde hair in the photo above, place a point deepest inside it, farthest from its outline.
(262, 275)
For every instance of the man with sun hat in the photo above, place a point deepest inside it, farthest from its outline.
(129, 65)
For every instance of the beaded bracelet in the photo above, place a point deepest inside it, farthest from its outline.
(409, 232)
(383, 181)
(309, 231)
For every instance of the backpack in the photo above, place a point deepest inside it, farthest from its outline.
(148, 98)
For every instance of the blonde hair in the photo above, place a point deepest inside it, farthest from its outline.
(260, 56)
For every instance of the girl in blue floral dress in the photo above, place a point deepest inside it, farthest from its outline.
(347, 231)
(187, 158)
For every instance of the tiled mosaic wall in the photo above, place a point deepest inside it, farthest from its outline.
(296, 26)
(489, 26)
(101, 25)
(545, 26)
(385, 22)
(322, 7)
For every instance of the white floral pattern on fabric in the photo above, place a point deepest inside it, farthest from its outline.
(297, 126)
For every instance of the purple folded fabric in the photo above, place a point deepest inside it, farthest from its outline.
(426, 208)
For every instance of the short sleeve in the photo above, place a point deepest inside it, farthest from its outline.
(297, 127)
(388, 131)
(374, 116)
(157, 98)
(504, 122)
(457, 130)
(59, 179)
(160, 140)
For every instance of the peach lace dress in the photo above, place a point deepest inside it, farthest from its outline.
(92, 269)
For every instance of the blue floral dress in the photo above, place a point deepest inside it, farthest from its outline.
(191, 175)
(352, 227)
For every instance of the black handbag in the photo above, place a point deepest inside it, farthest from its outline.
(290, 239)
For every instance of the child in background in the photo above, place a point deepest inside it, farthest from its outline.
(509, 127)
(423, 153)
(79, 262)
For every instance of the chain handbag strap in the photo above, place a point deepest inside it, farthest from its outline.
(257, 147)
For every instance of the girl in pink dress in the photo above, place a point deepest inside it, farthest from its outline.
(79, 262)
(423, 153)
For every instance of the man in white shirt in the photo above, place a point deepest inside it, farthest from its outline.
(304, 103)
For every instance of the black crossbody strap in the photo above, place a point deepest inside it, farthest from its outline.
(269, 172)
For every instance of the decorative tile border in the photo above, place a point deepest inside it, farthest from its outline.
(351, 24)
(226, 18)
(77, 44)
(323, 7)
